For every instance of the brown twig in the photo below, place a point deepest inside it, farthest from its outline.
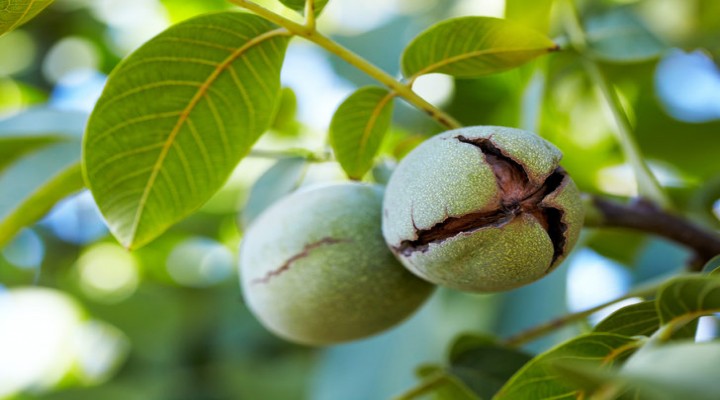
(646, 217)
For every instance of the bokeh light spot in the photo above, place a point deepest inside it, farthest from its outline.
(593, 280)
(108, 273)
(76, 219)
(688, 85)
(26, 250)
(435, 88)
(69, 55)
(17, 52)
(200, 262)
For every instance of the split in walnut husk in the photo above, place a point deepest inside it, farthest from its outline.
(482, 209)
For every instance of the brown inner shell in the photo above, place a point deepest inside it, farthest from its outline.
(519, 195)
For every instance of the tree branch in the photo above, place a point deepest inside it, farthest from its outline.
(538, 331)
(643, 216)
(310, 33)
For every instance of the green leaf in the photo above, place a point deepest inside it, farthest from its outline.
(470, 47)
(285, 122)
(35, 129)
(39, 165)
(681, 370)
(278, 181)
(358, 128)
(592, 379)
(639, 319)
(299, 5)
(539, 379)
(177, 116)
(32, 208)
(620, 36)
(483, 365)
(713, 266)
(441, 384)
(14, 13)
(683, 300)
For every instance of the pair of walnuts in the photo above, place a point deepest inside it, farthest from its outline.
(479, 209)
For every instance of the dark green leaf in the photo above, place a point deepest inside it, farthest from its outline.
(619, 36)
(279, 180)
(683, 300)
(639, 319)
(14, 13)
(177, 116)
(539, 379)
(358, 127)
(590, 378)
(469, 47)
(299, 5)
(483, 365)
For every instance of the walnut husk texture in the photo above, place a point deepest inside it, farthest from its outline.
(482, 209)
(315, 269)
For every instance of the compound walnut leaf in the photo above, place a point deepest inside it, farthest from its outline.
(177, 116)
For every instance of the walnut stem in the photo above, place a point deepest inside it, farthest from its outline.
(643, 216)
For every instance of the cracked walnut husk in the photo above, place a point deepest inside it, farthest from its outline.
(482, 209)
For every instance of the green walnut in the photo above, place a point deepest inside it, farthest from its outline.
(315, 268)
(482, 209)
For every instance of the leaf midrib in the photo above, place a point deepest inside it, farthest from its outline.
(182, 118)
(476, 53)
(24, 14)
(379, 108)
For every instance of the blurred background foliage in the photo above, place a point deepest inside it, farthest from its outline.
(82, 318)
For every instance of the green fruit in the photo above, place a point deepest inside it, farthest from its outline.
(315, 268)
(482, 209)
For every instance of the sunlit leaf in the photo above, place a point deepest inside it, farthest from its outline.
(299, 5)
(14, 13)
(619, 36)
(684, 299)
(177, 116)
(539, 380)
(358, 127)
(639, 319)
(473, 46)
(279, 180)
(483, 365)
